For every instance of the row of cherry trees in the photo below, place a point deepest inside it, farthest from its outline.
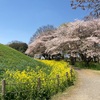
(80, 40)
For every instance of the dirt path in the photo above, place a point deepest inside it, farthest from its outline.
(87, 87)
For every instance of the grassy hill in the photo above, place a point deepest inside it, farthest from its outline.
(12, 59)
(15, 70)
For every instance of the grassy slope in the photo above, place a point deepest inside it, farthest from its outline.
(12, 59)
(92, 65)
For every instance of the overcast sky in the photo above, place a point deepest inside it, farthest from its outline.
(19, 19)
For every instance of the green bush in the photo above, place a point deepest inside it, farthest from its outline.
(92, 65)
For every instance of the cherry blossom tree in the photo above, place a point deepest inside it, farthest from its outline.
(92, 5)
(79, 39)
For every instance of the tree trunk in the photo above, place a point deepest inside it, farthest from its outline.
(73, 60)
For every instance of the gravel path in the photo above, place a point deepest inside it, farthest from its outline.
(87, 87)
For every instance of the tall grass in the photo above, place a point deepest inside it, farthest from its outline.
(92, 65)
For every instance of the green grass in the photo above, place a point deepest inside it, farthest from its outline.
(92, 65)
(14, 60)
(16, 63)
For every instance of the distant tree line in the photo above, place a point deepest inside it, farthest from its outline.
(18, 45)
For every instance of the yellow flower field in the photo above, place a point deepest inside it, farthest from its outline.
(58, 67)
(48, 78)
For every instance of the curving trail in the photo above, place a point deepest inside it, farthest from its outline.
(87, 87)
